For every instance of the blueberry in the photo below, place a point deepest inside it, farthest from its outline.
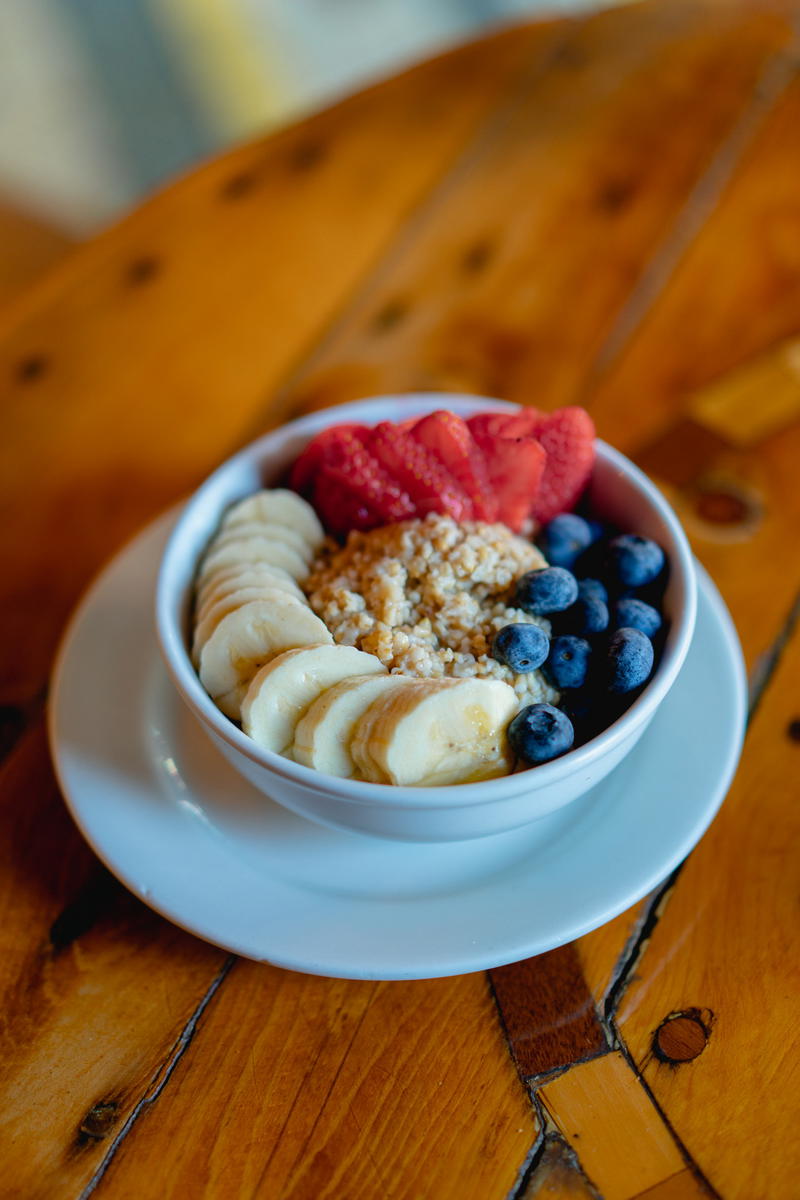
(586, 711)
(592, 588)
(564, 538)
(521, 647)
(567, 663)
(540, 732)
(634, 561)
(630, 660)
(630, 613)
(552, 589)
(587, 616)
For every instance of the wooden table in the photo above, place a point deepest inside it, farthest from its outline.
(603, 210)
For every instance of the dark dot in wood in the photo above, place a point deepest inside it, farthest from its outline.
(615, 194)
(793, 729)
(238, 185)
(477, 257)
(306, 155)
(100, 1119)
(391, 315)
(143, 269)
(568, 55)
(32, 367)
(681, 1037)
(722, 507)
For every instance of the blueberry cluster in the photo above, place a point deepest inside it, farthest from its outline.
(602, 596)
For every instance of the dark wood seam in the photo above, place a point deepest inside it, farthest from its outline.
(163, 1074)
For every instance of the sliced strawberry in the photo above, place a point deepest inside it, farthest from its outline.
(448, 438)
(515, 468)
(302, 477)
(505, 424)
(430, 486)
(352, 490)
(340, 509)
(567, 436)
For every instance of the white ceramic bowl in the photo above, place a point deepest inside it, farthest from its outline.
(620, 492)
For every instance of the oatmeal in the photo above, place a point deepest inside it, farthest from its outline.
(426, 597)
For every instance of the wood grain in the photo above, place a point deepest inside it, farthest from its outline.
(718, 308)
(95, 990)
(482, 294)
(28, 247)
(746, 257)
(607, 1117)
(142, 363)
(548, 1012)
(326, 1088)
(683, 1186)
(726, 946)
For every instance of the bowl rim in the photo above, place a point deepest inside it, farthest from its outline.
(360, 792)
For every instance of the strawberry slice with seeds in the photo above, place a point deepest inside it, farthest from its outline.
(311, 459)
(505, 424)
(352, 490)
(567, 437)
(515, 466)
(448, 438)
(430, 486)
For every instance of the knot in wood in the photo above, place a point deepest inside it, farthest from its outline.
(722, 507)
(100, 1119)
(682, 1036)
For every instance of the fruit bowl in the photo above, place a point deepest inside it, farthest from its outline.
(618, 492)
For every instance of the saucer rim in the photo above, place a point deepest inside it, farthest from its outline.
(148, 540)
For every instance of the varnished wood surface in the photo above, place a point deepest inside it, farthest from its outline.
(603, 210)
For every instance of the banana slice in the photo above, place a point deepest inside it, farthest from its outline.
(249, 637)
(282, 690)
(258, 577)
(322, 737)
(257, 529)
(230, 579)
(278, 506)
(262, 549)
(434, 732)
(210, 615)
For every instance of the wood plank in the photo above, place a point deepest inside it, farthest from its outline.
(683, 1186)
(141, 363)
(509, 284)
(28, 247)
(606, 1116)
(754, 401)
(327, 1088)
(719, 308)
(96, 990)
(726, 947)
(548, 1012)
(734, 294)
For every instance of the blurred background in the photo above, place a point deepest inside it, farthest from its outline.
(103, 100)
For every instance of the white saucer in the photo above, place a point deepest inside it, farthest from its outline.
(169, 816)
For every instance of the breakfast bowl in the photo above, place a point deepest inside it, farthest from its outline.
(617, 493)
